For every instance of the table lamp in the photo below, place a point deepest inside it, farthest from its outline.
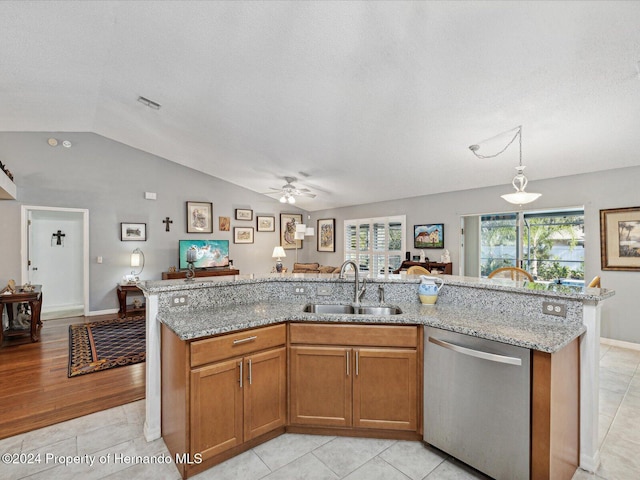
(278, 252)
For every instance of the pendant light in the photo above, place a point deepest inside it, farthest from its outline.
(519, 182)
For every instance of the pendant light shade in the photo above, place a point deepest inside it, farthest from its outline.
(519, 182)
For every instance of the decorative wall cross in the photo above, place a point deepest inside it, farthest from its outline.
(167, 221)
(59, 235)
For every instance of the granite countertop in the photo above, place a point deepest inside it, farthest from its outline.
(543, 335)
(505, 285)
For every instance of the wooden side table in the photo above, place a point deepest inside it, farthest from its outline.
(445, 268)
(123, 290)
(34, 299)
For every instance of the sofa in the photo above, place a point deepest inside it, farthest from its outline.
(314, 268)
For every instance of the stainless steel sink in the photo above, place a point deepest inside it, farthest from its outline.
(380, 310)
(348, 309)
(327, 308)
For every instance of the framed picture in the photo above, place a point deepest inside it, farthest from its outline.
(288, 222)
(242, 234)
(224, 224)
(428, 236)
(199, 217)
(327, 235)
(266, 223)
(133, 232)
(620, 239)
(244, 214)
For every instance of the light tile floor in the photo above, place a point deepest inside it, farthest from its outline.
(112, 439)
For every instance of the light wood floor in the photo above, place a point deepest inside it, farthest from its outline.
(34, 388)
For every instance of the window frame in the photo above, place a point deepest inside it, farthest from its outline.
(358, 255)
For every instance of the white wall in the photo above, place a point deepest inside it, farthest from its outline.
(595, 191)
(109, 179)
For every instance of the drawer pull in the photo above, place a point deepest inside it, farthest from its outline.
(245, 340)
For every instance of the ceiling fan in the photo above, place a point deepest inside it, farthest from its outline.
(288, 192)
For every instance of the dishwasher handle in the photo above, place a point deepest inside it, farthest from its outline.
(492, 357)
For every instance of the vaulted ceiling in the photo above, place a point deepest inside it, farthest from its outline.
(361, 101)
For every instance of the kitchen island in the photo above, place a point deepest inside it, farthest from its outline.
(507, 312)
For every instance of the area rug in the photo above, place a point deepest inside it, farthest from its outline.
(105, 344)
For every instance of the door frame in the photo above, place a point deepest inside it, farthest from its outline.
(24, 241)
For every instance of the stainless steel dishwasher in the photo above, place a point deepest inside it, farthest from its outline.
(477, 402)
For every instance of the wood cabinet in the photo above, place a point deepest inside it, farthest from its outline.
(355, 376)
(444, 268)
(200, 273)
(220, 394)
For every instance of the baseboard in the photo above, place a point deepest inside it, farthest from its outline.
(620, 343)
(95, 313)
(62, 311)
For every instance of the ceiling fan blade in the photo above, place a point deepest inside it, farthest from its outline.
(306, 194)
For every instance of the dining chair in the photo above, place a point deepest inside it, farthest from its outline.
(595, 283)
(417, 270)
(514, 273)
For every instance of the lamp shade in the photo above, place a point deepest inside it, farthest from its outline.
(135, 259)
(278, 252)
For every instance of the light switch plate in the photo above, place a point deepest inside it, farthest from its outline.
(324, 291)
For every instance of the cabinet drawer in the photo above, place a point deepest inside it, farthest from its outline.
(235, 344)
(361, 335)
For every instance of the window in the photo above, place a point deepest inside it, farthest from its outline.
(551, 247)
(375, 244)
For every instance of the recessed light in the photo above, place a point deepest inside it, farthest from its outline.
(52, 142)
(66, 144)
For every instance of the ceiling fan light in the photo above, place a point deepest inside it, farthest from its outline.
(291, 200)
(283, 199)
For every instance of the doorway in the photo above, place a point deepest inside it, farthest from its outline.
(55, 254)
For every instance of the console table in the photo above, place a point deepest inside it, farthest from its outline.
(123, 290)
(34, 299)
(199, 273)
(446, 268)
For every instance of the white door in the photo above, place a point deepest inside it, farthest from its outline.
(55, 258)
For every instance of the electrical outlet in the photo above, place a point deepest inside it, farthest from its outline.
(298, 290)
(324, 291)
(557, 309)
(179, 300)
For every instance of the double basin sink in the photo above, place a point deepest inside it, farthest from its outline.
(350, 309)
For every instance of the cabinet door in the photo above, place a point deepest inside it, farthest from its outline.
(216, 408)
(265, 392)
(320, 383)
(384, 388)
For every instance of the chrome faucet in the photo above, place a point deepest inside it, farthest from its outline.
(356, 285)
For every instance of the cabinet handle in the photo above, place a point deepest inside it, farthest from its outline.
(245, 340)
(493, 357)
(240, 380)
(250, 372)
(347, 354)
(357, 363)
